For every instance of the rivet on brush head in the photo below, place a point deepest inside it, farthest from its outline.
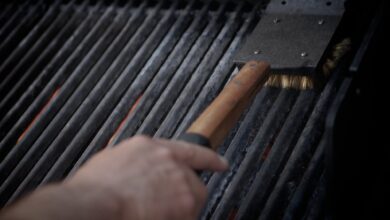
(257, 52)
(304, 54)
(276, 20)
(321, 22)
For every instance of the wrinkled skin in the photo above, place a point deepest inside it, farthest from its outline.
(141, 178)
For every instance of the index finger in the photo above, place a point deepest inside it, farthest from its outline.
(195, 156)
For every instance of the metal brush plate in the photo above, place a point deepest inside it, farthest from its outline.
(289, 42)
(314, 7)
(292, 37)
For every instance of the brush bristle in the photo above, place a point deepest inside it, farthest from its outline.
(339, 52)
(286, 81)
(303, 82)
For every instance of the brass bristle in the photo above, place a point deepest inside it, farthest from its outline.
(271, 81)
(338, 52)
(287, 81)
(303, 82)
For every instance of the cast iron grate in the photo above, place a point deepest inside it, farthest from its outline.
(78, 76)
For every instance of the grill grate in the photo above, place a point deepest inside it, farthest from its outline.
(78, 76)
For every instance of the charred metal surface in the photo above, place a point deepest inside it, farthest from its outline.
(79, 76)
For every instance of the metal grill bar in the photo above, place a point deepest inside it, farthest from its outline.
(315, 209)
(64, 112)
(12, 40)
(179, 117)
(141, 83)
(13, 21)
(8, 9)
(89, 104)
(30, 63)
(157, 86)
(35, 98)
(255, 153)
(195, 83)
(113, 96)
(72, 83)
(209, 91)
(285, 141)
(238, 146)
(301, 155)
(307, 186)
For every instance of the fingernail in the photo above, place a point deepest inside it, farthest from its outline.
(224, 160)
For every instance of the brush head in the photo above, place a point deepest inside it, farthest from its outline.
(305, 82)
(293, 39)
(291, 43)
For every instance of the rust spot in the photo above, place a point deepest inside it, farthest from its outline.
(232, 214)
(55, 93)
(266, 152)
(267, 149)
(124, 119)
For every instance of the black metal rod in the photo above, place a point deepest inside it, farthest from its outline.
(14, 20)
(143, 49)
(67, 76)
(13, 71)
(235, 152)
(253, 159)
(147, 52)
(32, 17)
(8, 10)
(301, 155)
(300, 199)
(158, 85)
(16, 66)
(274, 162)
(33, 63)
(316, 208)
(139, 85)
(45, 129)
(177, 101)
(111, 73)
(58, 122)
(214, 84)
(37, 32)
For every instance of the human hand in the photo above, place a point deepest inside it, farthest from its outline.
(144, 178)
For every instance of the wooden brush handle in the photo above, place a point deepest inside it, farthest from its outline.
(212, 126)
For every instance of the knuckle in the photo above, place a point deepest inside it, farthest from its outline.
(180, 177)
(141, 139)
(163, 153)
(167, 167)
